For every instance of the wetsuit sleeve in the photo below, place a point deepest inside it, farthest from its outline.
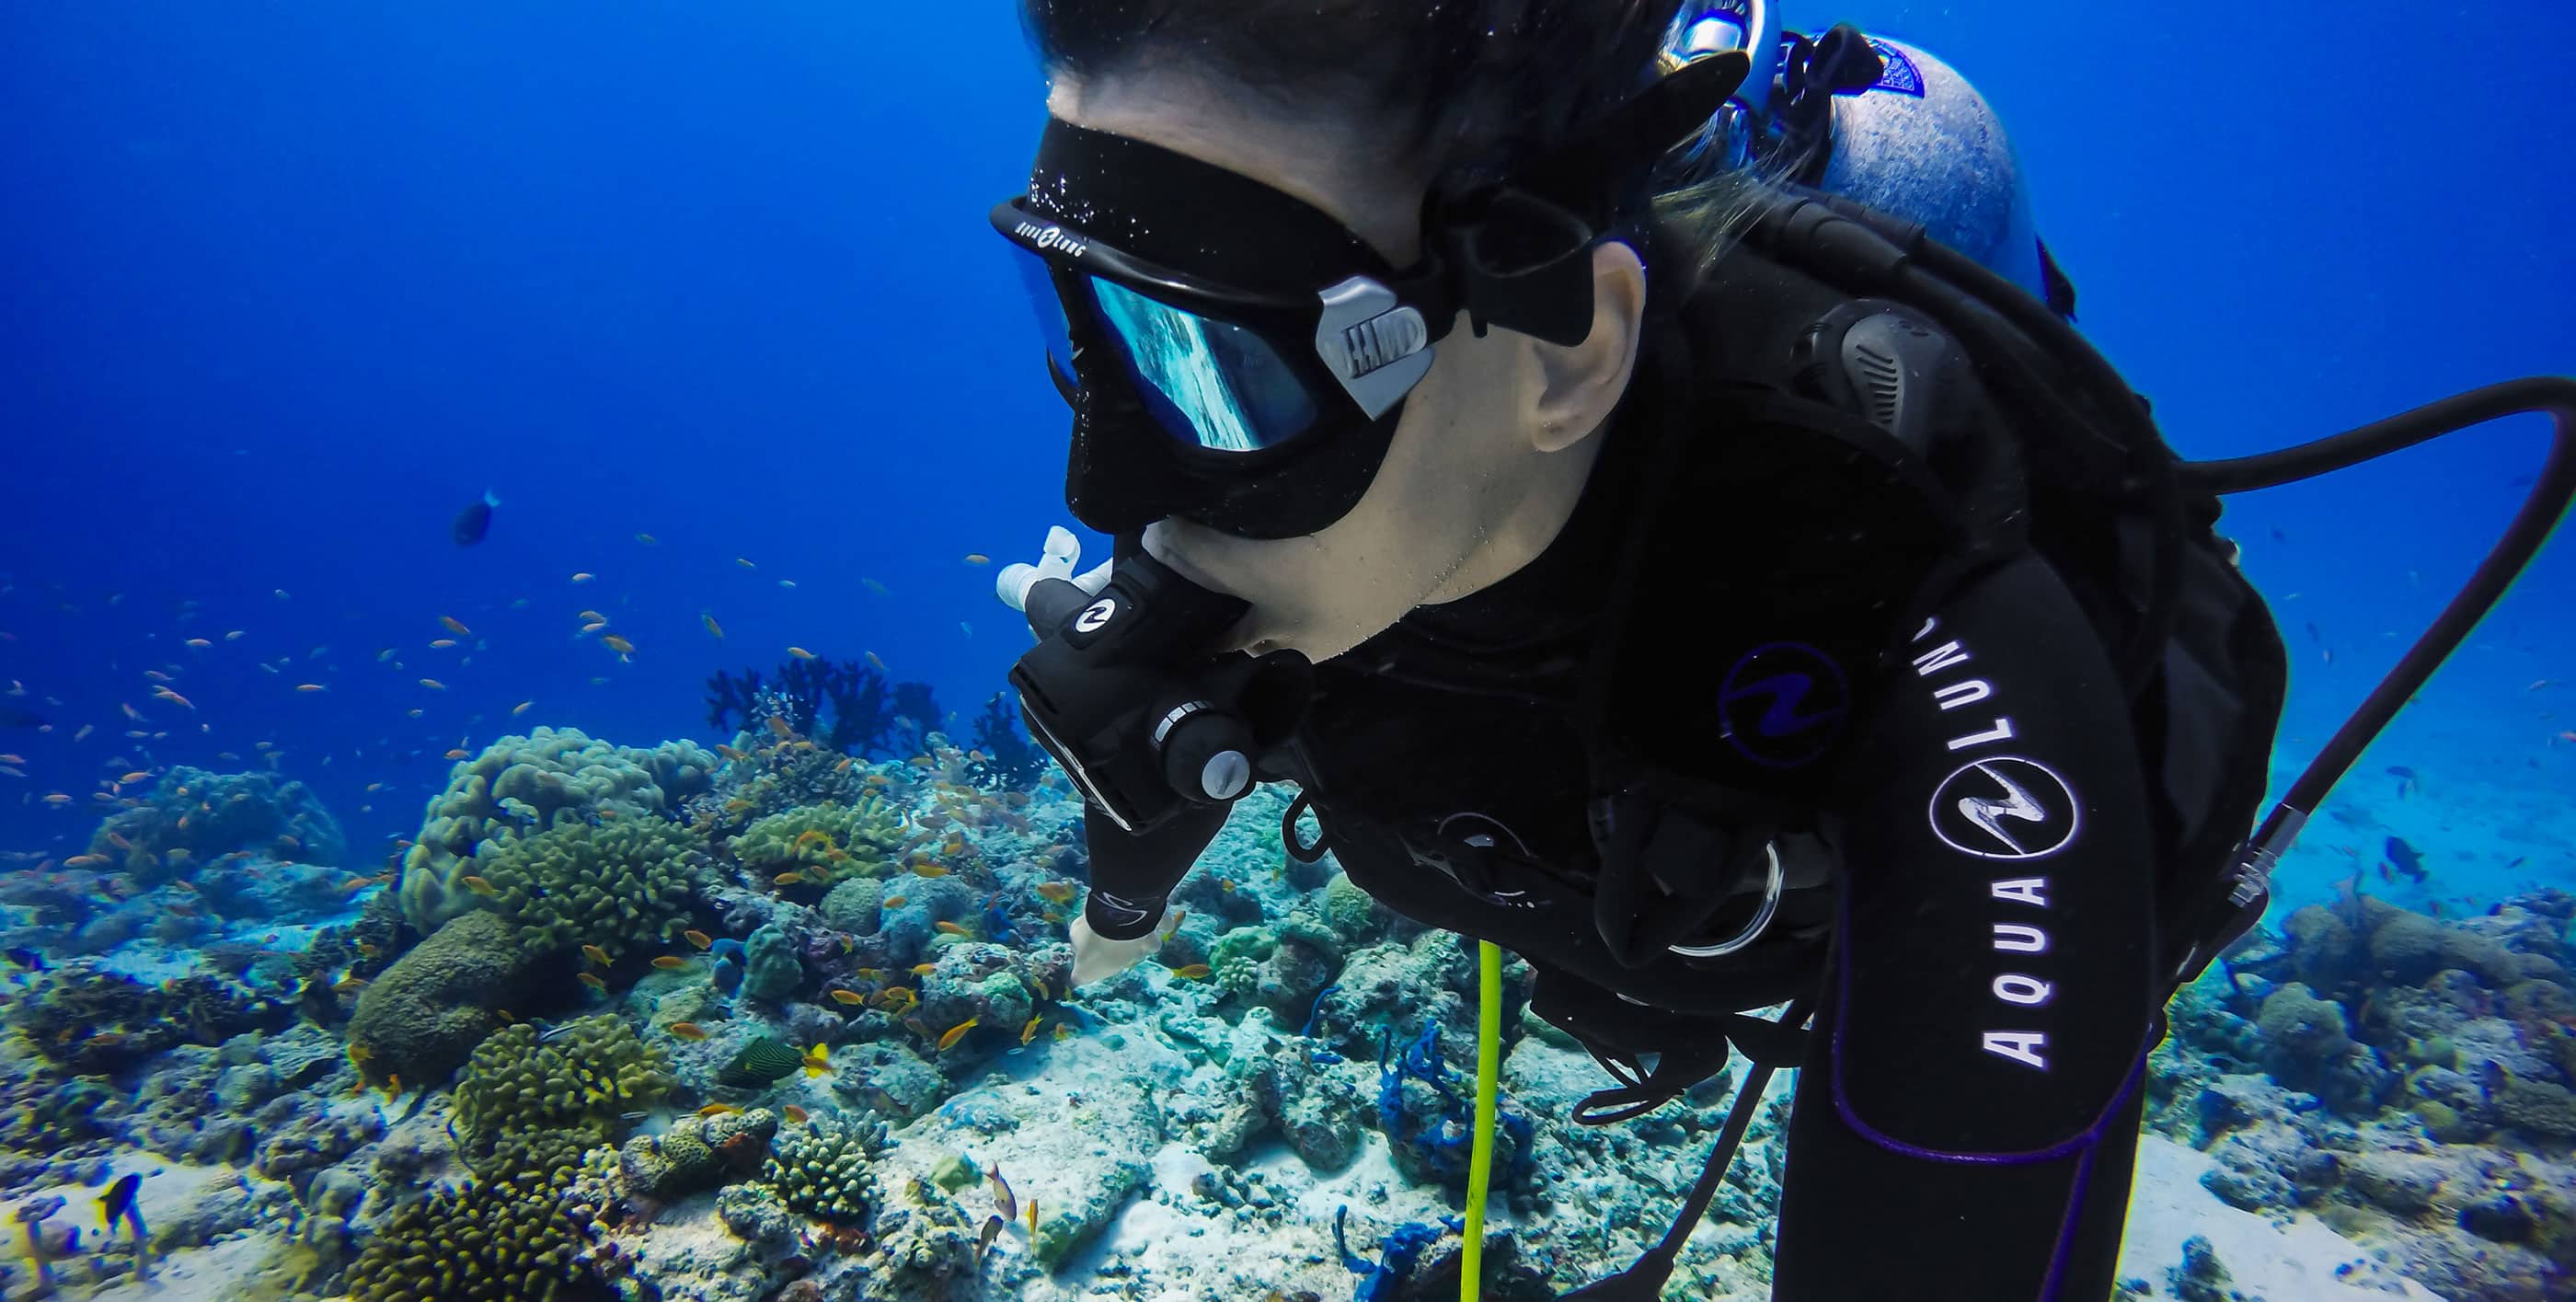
(1970, 1099)
(1132, 876)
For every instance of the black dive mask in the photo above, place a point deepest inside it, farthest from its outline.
(1236, 357)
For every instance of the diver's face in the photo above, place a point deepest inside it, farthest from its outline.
(1492, 448)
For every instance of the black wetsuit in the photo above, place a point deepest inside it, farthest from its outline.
(1977, 895)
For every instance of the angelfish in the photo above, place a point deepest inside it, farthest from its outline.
(474, 521)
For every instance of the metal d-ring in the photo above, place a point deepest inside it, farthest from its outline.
(1761, 917)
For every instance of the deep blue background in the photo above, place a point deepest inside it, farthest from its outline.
(290, 284)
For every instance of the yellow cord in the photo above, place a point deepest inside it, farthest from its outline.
(1489, 1066)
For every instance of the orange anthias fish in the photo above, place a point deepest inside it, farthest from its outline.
(1059, 892)
(596, 955)
(800, 653)
(1030, 1031)
(1193, 972)
(779, 729)
(453, 627)
(670, 962)
(949, 1039)
(848, 997)
(717, 1110)
(687, 1030)
(481, 886)
(699, 939)
(713, 627)
(794, 1113)
(617, 644)
(592, 980)
(929, 869)
(788, 878)
(953, 929)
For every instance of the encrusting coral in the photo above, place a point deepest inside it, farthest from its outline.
(823, 842)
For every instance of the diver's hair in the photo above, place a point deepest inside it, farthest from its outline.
(1459, 92)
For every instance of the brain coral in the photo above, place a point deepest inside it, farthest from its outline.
(521, 786)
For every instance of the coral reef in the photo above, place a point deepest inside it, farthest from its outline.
(508, 1238)
(696, 1153)
(822, 1169)
(621, 886)
(823, 842)
(574, 1083)
(93, 1021)
(423, 1016)
(522, 786)
(192, 816)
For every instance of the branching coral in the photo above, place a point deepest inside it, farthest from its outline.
(618, 886)
(822, 1169)
(507, 1237)
(525, 1097)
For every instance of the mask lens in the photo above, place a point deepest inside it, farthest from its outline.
(1209, 383)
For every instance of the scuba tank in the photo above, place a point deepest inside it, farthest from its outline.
(1875, 121)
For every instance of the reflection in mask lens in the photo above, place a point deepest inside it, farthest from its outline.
(1207, 382)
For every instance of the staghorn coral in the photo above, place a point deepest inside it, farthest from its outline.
(193, 815)
(525, 1099)
(521, 786)
(619, 886)
(822, 1169)
(824, 842)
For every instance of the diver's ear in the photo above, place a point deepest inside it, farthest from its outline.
(1580, 386)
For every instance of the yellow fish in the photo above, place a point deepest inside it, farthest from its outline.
(929, 869)
(713, 626)
(481, 886)
(670, 963)
(788, 878)
(717, 1110)
(818, 1061)
(1059, 892)
(698, 938)
(924, 969)
(592, 980)
(596, 955)
(895, 901)
(1030, 1031)
(1063, 1032)
(453, 627)
(958, 1032)
(848, 997)
(1193, 972)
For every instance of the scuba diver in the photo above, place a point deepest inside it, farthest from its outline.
(1633, 470)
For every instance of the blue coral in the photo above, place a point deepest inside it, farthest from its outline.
(1396, 1257)
(1441, 1149)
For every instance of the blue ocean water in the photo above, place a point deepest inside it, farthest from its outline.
(705, 295)
(296, 284)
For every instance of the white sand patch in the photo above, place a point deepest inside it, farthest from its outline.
(2289, 1260)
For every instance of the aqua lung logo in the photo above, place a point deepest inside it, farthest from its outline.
(2005, 807)
(1096, 616)
(1783, 704)
(1052, 237)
